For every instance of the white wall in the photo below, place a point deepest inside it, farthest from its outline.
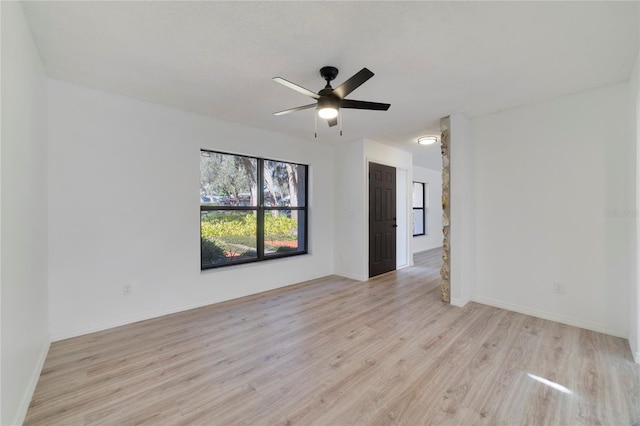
(433, 181)
(352, 204)
(403, 220)
(548, 177)
(124, 181)
(462, 210)
(351, 250)
(634, 299)
(25, 335)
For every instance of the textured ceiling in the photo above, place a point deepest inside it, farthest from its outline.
(430, 59)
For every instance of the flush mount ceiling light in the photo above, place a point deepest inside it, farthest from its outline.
(427, 140)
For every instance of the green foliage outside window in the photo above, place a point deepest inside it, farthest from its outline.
(279, 227)
(211, 251)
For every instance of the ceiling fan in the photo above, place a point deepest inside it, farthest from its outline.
(330, 100)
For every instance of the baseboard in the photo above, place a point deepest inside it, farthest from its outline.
(427, 249)
(100, 326)
(351, 276)
(105, 325)
(458, 302)
(550, 316)
(31, 388)
(634, 348)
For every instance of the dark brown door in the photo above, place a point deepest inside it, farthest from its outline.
(382, 219)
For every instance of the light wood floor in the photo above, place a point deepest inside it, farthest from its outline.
(334, 351)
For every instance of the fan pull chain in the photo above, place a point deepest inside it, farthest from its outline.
(315, 119)
(340, 119)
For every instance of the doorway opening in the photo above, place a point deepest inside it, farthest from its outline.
(431, 213)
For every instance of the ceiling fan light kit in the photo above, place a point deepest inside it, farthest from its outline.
(328, 107)
(330, 100)
(327, 112)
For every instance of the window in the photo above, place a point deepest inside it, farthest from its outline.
(419, 209)
(238, 222)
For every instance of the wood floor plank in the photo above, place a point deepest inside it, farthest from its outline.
(336, 351)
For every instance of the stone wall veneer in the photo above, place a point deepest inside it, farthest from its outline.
(445, 286)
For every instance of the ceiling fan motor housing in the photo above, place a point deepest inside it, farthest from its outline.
(329, 73)
(327, 98)
(328, 102)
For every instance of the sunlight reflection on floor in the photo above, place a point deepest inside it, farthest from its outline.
(554, 385)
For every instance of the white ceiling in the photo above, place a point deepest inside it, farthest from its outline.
(430, 59)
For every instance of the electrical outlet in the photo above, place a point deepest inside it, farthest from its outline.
(558, 288)
(127, 289)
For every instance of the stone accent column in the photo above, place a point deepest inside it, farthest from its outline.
(445, 287)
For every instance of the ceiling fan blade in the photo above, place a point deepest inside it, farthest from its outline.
(332, 121)
(300, 108)
(295, 87)
(353, 83)
(350, 103)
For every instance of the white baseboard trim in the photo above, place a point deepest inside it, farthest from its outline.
(100, 326)
(105, 325)
(635, 350)
(458, 302)
(31, 387)
(427, 249)
(352, 276)
(550, 316)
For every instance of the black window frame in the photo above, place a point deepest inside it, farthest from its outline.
(260, 208)
(423, 208)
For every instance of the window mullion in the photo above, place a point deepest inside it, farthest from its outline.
(260, 218)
